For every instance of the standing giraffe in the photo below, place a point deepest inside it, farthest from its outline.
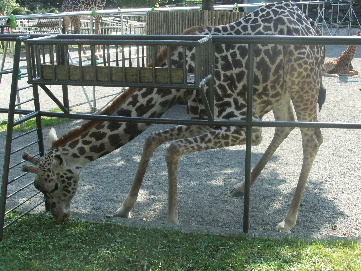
(342, 65)
(81, 5)
(283, 74)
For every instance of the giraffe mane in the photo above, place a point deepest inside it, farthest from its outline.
(119, 101)
(74, 133)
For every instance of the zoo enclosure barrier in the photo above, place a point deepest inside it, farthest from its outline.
(160, 21)
(137, 21)
(51, 52)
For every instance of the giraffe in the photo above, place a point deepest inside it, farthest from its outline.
(284, 75)
(81, 5)
(342, 65)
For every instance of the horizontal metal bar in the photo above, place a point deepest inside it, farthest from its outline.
(25, 118)
(338, 125)
(24, 147)
(18, 164)
(14, 37)
(116, 42)
(19, 190)
(22, 88)
(6, 71)
(23, 202)
(206, 122)
(156, 39)
(24, 134)
(117, 39)
(24, 102)
(300, 124)
(278, 39)
(23, 214)
(16, 111)
(17, 178)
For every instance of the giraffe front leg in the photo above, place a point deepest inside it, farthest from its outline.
(151, 144)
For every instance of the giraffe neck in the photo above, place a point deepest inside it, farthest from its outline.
(108, 136)
(349, 53)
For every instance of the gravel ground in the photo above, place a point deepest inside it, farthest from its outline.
(331, 206)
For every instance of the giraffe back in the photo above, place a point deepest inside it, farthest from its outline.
(278, 68)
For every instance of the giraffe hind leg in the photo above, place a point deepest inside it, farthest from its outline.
(283, 112)
(214, 139)
(311, 141)
(151, 144)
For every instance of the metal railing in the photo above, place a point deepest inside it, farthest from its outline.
(251, 41)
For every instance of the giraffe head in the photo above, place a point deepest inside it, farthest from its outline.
(55, 179)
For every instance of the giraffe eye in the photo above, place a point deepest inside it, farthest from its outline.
(56, 187)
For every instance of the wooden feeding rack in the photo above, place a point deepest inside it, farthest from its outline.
(128, 60)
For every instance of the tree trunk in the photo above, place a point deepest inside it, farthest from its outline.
(207, 4)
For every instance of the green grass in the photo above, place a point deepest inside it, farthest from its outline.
(38, 243)
(31, 124)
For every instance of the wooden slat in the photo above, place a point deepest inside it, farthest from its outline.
(175, 22)
(101, 73)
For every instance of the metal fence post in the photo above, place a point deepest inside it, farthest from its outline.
(5, 176)
(248, 158)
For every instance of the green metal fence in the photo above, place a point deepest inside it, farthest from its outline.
(35, 45)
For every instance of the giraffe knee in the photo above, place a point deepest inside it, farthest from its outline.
(256, 136)
(173, 154)
(319, 137)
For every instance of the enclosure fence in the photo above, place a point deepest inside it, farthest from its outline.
(328, 14)
(48, 63)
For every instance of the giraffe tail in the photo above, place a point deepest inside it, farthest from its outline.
(321, 97)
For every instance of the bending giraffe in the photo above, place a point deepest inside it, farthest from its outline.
(284, 75)
(342, 65)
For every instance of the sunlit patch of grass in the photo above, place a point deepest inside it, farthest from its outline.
(38, 243)
(31, 124)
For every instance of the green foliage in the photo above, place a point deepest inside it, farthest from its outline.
(40, 6)
(146, 3)
(7, 6)
(136, 3)
(20, 11)
(38, 243)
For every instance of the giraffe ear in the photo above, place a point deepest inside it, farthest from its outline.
(52, 136)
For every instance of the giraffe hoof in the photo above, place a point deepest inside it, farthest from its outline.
(237, 192)
(119, 215)
(284, 227)
(173, 220)
(122, 213)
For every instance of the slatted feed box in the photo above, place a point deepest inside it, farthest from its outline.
(123, 60)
